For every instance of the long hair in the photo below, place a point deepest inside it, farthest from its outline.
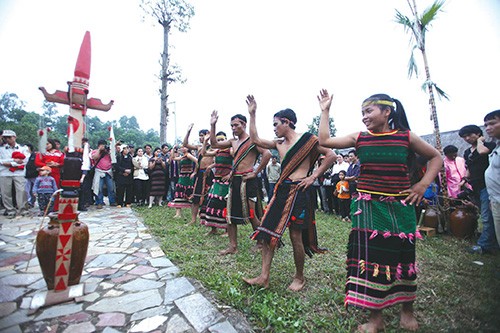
(397, 117)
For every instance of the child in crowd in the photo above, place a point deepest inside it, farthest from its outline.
(45, 186)
(342, 192)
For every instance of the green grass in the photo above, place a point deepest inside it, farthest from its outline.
(455, 294)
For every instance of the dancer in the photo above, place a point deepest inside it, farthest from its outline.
(202, 180)
(381, 253)
(243, 204)
(184, 186)
(290, 203)
(216, 198)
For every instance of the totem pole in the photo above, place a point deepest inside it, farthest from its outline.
(63, 273)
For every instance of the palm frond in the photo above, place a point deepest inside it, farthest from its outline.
(403, 20)
(412, 64)
(425, 85)
(430, 13)
(441, 92)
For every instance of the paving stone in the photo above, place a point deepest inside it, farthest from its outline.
(124, 278)
(149, 324)
(177, 324)
(26, 302)
(106, 260)
(110, 330)
(104, 272)
(160, 262)
(156, 311)
(224, 327)
(177, 288)
(199, 311)
(156, 252)
(142, 284)
(20, 279)
(168, 272)
(59, 311)
(113, 293)
(15, 318)
(13, 329)
(8, 293)
(142, 270)
(128, 303)
(80, 328)
(111, 319)
(88, 298)
(7, 308)
(76, 318)
(106, 285)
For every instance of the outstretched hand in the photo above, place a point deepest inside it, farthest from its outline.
(190, 127)
(252, 105)
(214, 117)
(415, 194)
(325, 100)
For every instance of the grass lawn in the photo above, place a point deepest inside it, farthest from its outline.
(458, 292)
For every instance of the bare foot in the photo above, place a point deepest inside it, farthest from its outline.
(408, 321)
(374, 324)
(211, 232)
(229, 250)
(297, 284)
(258, 281)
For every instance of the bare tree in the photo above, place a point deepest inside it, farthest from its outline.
(417, 26)
(169, 14)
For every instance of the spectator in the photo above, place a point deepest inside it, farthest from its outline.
(53, 158)
(344, 198)
(86, 196)
(476, 158)
(124, 178)
(157, 167)
(455, 169)
(492, 124)
(148, 151)
(353, 173)
(273, 174)
(339, 165)
(13, 158)
(30, 174)
(173, 173)
(141, 177)
(44, 188)
(103, 174)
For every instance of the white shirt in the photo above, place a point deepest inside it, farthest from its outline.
(339, 167)
(6, 157)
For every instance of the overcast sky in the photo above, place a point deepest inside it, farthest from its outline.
(281, 51)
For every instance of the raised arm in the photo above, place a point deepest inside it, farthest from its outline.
(325, 102)
(185, 142)
(254, 136)
(213, 139)
(204, 151)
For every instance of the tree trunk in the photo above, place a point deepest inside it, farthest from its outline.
(164, 84)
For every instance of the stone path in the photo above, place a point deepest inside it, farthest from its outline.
(129, 284)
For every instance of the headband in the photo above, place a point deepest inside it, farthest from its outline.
(240, 117)
(378, 102)
(283, 118)
(221, 137)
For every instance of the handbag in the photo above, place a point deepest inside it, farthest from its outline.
(91, 171)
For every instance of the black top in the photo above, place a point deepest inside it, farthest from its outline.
(477, 165)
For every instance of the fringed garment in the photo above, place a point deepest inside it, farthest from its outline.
(289, 206)
(241, 191)
(184, 186)
(215, 210)
(381, 267)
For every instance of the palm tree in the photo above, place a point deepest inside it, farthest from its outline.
(417, 26)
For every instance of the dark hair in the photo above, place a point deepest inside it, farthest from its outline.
(164, 145)
(397, 117)
(352, 151)
(101, 142)
(342, 171)
(57, 141)
(85, 140)
(221, 133)
(148, 145)
(288, 114)
(156, 149)
(492, 115)
(240, 117)
(450, 149)
(53, 143)
(470, 129)
(203, 132)
(30, 146)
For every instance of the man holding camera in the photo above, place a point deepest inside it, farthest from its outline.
(103, 174)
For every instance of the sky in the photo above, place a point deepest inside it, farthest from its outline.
(281, 51)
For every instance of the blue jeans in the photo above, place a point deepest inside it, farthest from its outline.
(111, 190)
(487, 240)
(171, 189)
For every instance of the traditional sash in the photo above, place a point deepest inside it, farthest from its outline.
(289, 204)
(242, 152)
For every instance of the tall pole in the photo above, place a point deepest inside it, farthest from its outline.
(174, 112)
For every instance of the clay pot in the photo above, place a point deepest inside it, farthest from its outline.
(46, 245)
(431, 218)
(463, 222)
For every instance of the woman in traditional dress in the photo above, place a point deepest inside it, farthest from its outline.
(157, 169)
(124, 178)
(381, 269)
(184, 186)
(54, 159)
(215, 210)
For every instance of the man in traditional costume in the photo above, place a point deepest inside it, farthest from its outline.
(243, 204)
(291, 204)
(202, 179)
